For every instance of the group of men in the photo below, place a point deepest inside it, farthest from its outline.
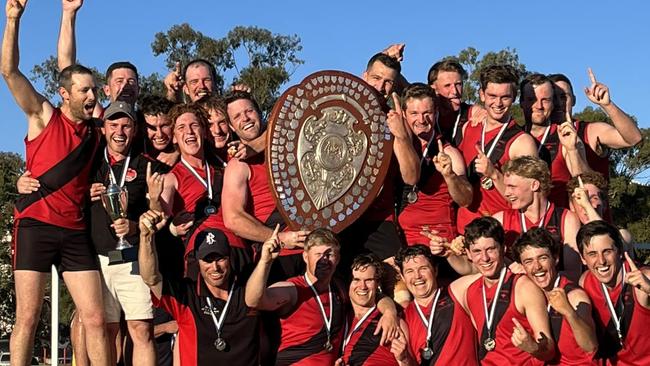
(481, 231)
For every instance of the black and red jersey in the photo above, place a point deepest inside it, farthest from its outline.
(453, 337)
(60, 158)
(363, 347)
(304, 333)
(186, 301)
(505, 353)
(634, 323)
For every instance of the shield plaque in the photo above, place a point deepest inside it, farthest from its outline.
(329, 149)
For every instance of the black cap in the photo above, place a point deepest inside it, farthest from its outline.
(211, 241)
(118, 108)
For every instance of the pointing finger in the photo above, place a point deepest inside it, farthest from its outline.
(568, 117)
(276, 231)
(441, 148)
(479, 150)
(592, 77)
(518, 325)
(148, 170)
(396, 103)
(629, 260)
(580, 183)
(177, 70)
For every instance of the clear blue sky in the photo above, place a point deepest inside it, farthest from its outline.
(552, 36)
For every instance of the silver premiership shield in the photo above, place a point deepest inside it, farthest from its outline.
(329, 149)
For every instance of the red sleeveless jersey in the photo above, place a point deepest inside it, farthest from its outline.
(552, 153)
(62, 203)
(363, 347)
(452, 333)
(261, 203)
(188, 193)
(636, 344)
(303, 330)
(505, 352)
(513, 227)
(569, 352)
(485, 202)
(434, 208)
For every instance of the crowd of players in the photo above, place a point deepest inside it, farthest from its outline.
(490, 242)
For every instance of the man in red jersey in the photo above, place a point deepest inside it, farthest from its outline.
(488, 145)
(598, 137)
(248, 206)
(569, 306)
(429, 203)
(508, 310)
(310, 306)
(558, 143)
(446, 77)
(440, 332)
(528, 184)
(361, 343)
(49, 224)
(191, 191)
(620, 295)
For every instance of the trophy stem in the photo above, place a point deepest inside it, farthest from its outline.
(123, 244)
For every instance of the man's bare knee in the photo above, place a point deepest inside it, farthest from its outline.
(141, 331)
(92, 319)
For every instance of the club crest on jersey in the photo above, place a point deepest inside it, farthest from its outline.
(131, 174)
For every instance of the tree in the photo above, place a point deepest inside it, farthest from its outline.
(11, 166)
(271, 58)
(47, 73)
(469, 58)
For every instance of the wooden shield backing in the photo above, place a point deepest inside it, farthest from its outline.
(328, 150)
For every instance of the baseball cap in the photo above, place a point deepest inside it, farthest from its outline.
(119, 107)
(211, 241)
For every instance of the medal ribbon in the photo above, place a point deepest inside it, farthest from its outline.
(489, 318)
(204, 182)
(615, 317)
(428, 323)
(522, 218)
(363, 318)
(557, 282)
(494, 142)
(328, 321)
(544, 137)
(125, 168)
(218, 323)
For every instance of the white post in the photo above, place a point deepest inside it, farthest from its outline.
(54, 306)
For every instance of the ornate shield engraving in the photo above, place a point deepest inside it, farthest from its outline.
(328, 150)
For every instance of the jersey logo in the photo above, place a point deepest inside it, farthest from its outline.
(130, 175)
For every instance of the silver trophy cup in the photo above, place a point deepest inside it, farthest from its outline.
(115, 201)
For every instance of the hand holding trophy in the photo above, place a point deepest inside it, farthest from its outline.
(115, 201)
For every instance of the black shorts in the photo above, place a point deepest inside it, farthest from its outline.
(37, 246)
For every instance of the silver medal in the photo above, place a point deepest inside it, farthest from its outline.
(490, 344)
(487, 183)
(220, 344)
(426, 353)
(412, 196)
(209, 210)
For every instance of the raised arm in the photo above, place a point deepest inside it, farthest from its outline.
(34, 105)
(576, 309)
(624, 133)
(449, 162)
(280, 295)
(150, 222)
(530, 301)
(407, 158)
(573, 150)
(67, 46)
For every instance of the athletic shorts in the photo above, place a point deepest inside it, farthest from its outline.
(37, 246)
(124, 290)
